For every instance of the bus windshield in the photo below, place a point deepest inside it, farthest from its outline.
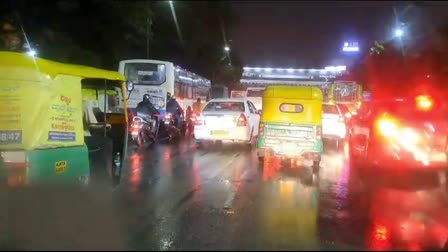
(145, 73)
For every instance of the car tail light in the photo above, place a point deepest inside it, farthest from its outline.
(242, 120)
(424, 102)
(319, 132)
(261, 129)
(387, 127)
(197, 120)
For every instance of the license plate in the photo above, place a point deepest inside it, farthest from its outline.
(288, 147)
(219, 132)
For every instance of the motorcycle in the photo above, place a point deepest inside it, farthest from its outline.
(141, 130)
(172, 131)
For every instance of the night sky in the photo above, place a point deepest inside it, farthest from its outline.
(310, 34)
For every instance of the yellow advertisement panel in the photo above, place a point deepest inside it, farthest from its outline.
(41, 114)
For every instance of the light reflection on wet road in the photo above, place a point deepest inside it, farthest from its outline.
(185, 198)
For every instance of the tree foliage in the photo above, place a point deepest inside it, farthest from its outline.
(102, 32)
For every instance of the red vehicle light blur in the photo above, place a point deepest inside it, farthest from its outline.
(424, 102)
(242, 120)
(387, 127)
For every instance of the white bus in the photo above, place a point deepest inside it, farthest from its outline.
(161, 79)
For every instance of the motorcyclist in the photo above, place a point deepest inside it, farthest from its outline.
(146, 107)
(174, 108)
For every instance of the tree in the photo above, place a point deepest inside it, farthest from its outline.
(91, 32)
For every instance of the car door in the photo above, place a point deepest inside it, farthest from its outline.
(257, 117)
(254, 117)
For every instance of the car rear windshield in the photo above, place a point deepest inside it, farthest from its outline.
(330, 109)
(224, 107)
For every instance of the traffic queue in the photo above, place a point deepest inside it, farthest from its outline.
(80, 135)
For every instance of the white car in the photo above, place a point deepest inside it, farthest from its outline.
(227, 120)
(333, 122)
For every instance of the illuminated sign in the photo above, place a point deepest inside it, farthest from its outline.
(350, 47)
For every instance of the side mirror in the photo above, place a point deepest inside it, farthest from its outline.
(129, 86)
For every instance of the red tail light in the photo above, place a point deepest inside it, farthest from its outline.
(261, 129)
(424, 102)
(242, 120)
(197, 120)
(387, 127)
(319, 132)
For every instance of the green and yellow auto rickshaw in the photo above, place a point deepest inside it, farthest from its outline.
(60, 123)
(291, 124)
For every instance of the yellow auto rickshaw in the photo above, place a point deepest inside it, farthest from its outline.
(60, 123)
(291, 124)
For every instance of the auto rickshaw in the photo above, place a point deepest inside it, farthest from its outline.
(60, 123)
(291, 124)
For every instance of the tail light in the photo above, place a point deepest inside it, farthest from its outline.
(387, 127)
(197, 120)
(242, 120)
(135, 126)
(424, 102)
(319, 132)
(16, 164)
(261, 129)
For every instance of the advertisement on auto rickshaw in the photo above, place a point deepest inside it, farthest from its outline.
(42, 114)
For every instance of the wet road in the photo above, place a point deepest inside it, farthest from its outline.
(217, 198)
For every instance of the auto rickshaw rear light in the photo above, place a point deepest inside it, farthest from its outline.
(242, 120)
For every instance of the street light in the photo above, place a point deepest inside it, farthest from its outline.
(226, 48)
(32, 52)
(399, 32)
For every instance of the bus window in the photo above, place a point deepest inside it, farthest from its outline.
(145, 73)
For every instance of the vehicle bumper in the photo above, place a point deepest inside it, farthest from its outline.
(312, 150)
(236, 134)
(389, 158)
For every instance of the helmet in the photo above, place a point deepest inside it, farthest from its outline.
(146, 97)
